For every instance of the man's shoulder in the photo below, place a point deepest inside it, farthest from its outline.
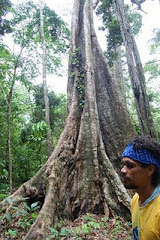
(158, 197)
(135, 197)
(134, 200)
(158, 200)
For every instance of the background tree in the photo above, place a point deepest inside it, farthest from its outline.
(44, 76)
(28, 133)
(114, 39)
(32, 134)
(112, 27)
(20, 64)
(119, 29)
(50, 36)
(9, 72)
(152, 71)
(13, 75)
(136, 72)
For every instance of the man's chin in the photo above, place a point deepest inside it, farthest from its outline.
(129, 186)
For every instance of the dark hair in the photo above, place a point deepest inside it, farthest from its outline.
(152, 145)
(155, 176)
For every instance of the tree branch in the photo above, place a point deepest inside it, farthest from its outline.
(95, 4)
(138, 3)
(154, 61)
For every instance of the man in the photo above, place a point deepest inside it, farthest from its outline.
(141, 171)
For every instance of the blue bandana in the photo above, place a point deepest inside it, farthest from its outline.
(141, 155)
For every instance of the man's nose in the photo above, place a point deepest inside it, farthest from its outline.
(124, 170)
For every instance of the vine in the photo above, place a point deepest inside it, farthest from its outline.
(81, 89)
(76, 62)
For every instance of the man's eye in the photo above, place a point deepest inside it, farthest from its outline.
(130, 166)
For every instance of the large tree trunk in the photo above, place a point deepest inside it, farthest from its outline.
(45, 87)
(82, 173)
(135, 72)
(118, 72)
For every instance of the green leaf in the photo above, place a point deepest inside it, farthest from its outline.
(12, 233)
(8, 216)
(16, 208)
(94, 225)
(33, 205)
(15, 215)
(86, 229)
(34, 215)
(22, 211)
(2, 195)
(54, 232)
(9, 200)
(23, 199)
(65, 231)
(26, 206)
(78, 230)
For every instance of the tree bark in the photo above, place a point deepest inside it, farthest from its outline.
(135, 72)
(118, 72)
(9, 157)
(45, 88)
(82, 174)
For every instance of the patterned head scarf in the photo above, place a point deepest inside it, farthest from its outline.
(141, 155)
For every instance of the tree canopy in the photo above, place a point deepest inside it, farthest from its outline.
(5, 27)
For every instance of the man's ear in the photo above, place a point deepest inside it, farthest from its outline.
(150, 170)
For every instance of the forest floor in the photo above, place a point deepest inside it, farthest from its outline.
(92, 227)
(86, 227)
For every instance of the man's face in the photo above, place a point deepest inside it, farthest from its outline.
(134, 175)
